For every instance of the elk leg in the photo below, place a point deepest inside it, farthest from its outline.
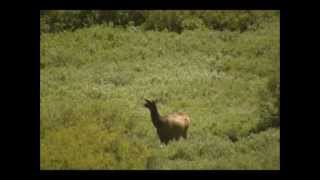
(185, 134)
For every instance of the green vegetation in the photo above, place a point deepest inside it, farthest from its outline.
(171, 20)
(224, 71)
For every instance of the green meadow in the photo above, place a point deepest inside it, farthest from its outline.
(94, 81)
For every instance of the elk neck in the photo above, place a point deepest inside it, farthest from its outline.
(155, 116)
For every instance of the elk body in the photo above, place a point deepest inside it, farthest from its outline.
(171, 126)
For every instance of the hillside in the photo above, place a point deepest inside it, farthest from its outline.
(94, 81)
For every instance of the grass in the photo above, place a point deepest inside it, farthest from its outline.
(94, 80)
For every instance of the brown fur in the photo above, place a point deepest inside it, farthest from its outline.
(171, 126)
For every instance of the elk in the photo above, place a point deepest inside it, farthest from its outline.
(169, 127)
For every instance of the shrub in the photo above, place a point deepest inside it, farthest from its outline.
(269, 105)
(59, 20)
(171, 20)
(161, 20)
(192, 23)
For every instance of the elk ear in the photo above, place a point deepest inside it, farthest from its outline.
(147, 100)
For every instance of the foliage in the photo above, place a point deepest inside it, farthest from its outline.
(170, 20)
(59, 20)
(94, 81)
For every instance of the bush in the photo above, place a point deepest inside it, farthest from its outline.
(171, 20)
(234, 20)
(59, 20)
(269, 105)
(161, 20)
(192, 23)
